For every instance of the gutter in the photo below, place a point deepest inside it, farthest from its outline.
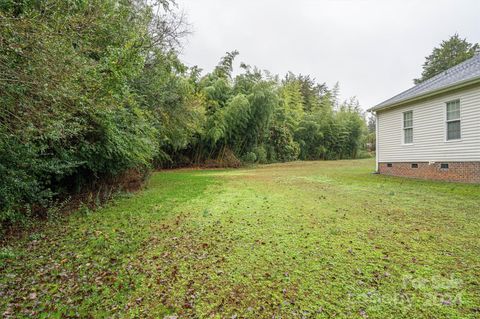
(456, 86)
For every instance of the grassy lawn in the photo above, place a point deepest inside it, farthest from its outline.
(296, 240)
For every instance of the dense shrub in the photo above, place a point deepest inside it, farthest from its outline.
(282, 144)
(69, 116)
(261, 154)
(249, 157)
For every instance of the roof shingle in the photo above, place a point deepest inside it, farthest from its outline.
(465, 71)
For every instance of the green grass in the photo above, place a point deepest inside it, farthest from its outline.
(296, 240)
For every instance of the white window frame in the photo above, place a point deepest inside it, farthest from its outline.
(447, 140)
(407, 128)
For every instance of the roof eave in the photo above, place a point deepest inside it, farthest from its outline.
(456, 86)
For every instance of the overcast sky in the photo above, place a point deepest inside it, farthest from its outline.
(374, 48)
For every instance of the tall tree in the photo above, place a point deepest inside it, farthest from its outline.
(450, 53)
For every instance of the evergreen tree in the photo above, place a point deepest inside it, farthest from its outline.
(450, 53)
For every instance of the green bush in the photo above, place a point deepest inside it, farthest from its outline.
(69, 115)
(249, 158)
(283, 145)
(261, 154)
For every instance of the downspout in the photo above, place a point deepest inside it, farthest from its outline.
(377, 149)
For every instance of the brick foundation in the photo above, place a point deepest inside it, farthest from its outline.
(468, 172)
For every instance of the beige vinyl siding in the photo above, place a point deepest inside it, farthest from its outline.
(429, 131)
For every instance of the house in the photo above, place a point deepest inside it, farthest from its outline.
(432, 130)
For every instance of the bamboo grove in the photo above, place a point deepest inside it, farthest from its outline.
(91, 89)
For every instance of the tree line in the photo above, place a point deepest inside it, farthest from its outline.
(92, 89)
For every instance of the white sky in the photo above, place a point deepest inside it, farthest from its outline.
(374, 48)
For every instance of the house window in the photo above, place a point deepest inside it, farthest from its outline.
(408, 127)
(415, 165)
(444, 165)
(453, 120)
(389, 165)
